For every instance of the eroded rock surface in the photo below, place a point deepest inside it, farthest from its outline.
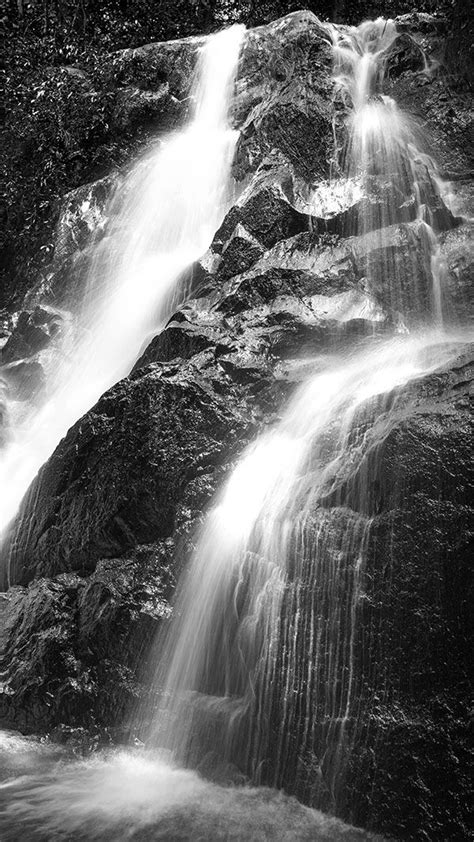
(109, 521)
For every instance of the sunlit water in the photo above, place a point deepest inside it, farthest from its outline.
(386, 154)
(256, 673)
(163, 218)
(46, 795)
(257, 669)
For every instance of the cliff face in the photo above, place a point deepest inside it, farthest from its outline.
(105, 528)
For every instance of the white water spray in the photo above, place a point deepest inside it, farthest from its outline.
(163, 219)
(401, 182)
(234, 679)
(258, 667)
(46, 794)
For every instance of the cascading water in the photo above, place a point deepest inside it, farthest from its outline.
(399, 181)
(261, 651)
(258, 668)
(163, 217)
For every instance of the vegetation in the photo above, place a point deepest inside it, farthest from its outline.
(60, 97)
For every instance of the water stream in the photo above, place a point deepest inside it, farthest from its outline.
(257, 671)
(163, 217)
(255, 675)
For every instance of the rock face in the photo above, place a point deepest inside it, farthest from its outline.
(167, 432)
(88, 636)
(109, 521)
(406, 732)
(284, 102)
(414, 640)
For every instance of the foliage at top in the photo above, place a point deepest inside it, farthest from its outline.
(60, 97)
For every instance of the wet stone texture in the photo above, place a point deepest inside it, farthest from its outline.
(412, 735)
(105, 528)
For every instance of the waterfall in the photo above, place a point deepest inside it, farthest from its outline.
(162, 218)
(261, 651)
(257, 672)
(400, 182)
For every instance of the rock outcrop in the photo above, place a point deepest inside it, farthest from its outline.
(95, 551)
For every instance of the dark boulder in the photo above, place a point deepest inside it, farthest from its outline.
(89, 636)
(116, 480)
(33, 332)
(239, 253)
(149, 67)
(284, 99)
(135, 107)
(266, 214)
(404, 54)
(398, 530)
(414, 619)
(112, 516)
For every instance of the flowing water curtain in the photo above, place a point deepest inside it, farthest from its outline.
(403, 193)
(261, 668)
(162, 219)
(295, 591)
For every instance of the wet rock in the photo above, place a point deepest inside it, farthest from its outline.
(4, 414)
(457, 251)
(438, 94)
(421, 22)
(406, 733)
(303, 265)
(240, 252)
(401, 253)
(6, 327)
(404, 54)
(23, 379)
(289, 125)
(257, 289)
(88, 636)
(33, 332)
(416, 434)
(283, 101)
(150, 66)
(445, 120)
(117, 478)
(135, 107)
(414, 625)
(182, 339)
(266, 214)
(82, 214)
(458, 52)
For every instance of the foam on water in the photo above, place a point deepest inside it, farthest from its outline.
(123, 795)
